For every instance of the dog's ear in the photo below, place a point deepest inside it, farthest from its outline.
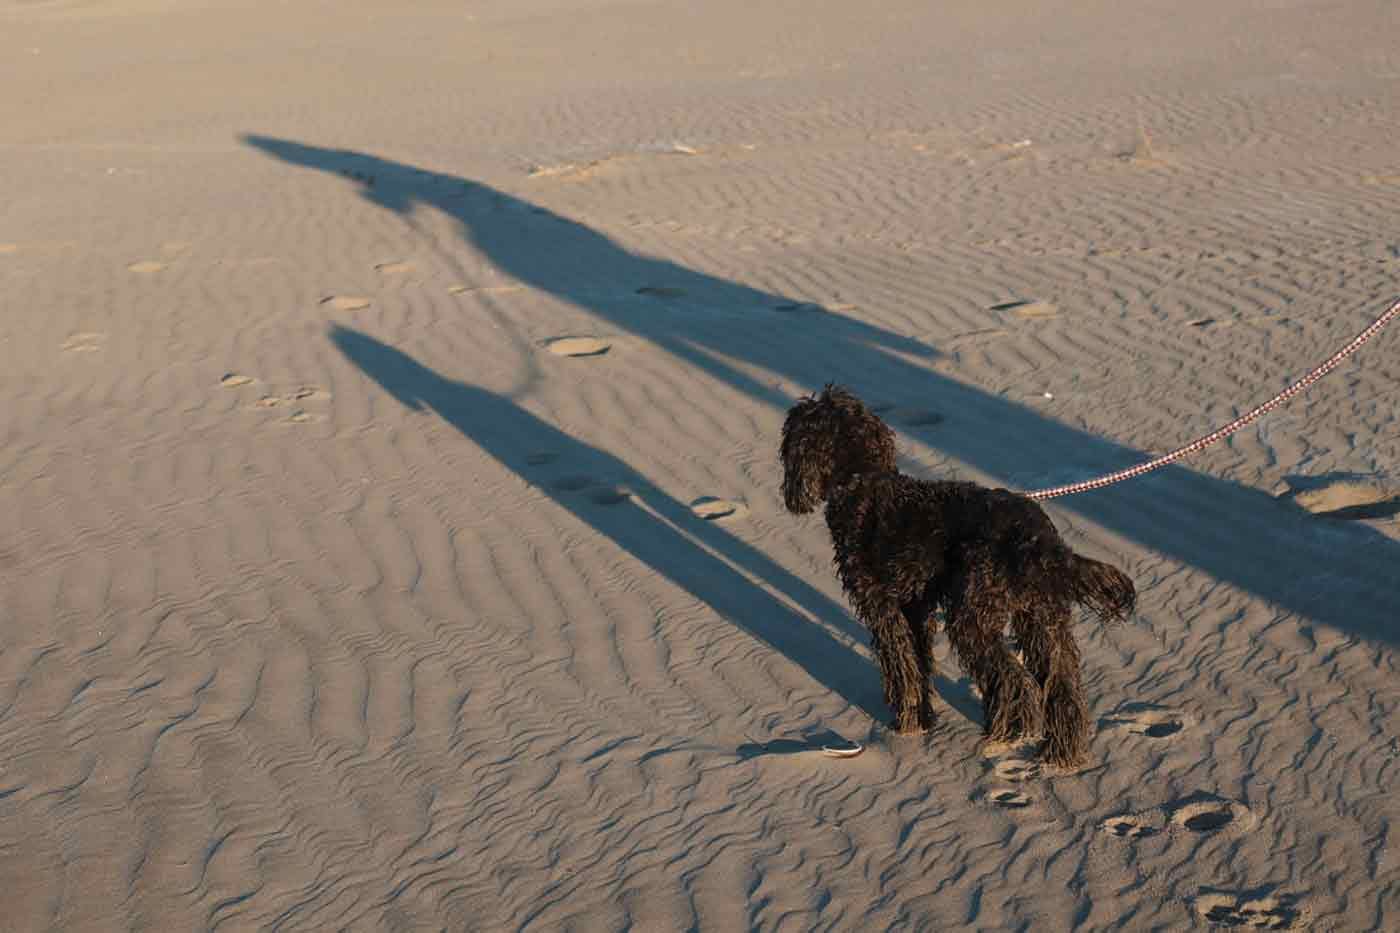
(806, 454)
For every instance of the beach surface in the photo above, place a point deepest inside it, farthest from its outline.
(390, 397)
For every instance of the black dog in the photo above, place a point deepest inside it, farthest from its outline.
(906, 548)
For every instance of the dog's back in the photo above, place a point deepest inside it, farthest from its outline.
(915, 531)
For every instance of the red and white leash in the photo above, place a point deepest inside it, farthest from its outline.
(1233, 426)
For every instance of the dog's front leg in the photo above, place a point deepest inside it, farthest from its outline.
(906, 686)
(919, 616)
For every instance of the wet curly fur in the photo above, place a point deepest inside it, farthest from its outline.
(908, 549)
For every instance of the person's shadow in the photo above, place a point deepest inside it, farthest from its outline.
(620, 504)
(1331, 572)
(698, 318)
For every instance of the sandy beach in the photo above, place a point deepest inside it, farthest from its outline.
(390, 397)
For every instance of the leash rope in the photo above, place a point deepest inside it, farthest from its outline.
(1323, 369)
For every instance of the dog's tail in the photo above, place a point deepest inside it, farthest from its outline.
(1105, 589)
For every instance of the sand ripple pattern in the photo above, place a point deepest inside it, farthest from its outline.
(470, 628)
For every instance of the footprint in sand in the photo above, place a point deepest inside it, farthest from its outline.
(304, 417)
(577, 346)
(598, 491)
(713, 509)
(1027, 310)
(1007, 797)
(1017, 769)
(1257, 911)
(1151, 722)
(309, 394)
(85, 342)
(483, 289)
(561, 170)
(661, 291)
(1205, 813)
(361, 177)
(234, 380)
(394, 268)
(146, 266)
(346, 302)
(608, 494)
(1127, 827)
(304, 394)
(921, 418)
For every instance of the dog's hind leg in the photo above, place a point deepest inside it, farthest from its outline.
(1047, 642)
(977, 613)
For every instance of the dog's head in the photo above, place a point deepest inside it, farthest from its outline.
(828, 438)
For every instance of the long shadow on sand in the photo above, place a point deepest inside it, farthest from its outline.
(1334, 573)
(703, 559)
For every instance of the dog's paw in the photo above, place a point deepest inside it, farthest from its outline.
(1065, 753)
(908, 729)
(916, 723)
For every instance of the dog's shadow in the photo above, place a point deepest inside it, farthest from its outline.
(808, 743)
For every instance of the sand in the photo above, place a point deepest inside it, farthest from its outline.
(390, 396)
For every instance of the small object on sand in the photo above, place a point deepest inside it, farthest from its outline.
(843, 751)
